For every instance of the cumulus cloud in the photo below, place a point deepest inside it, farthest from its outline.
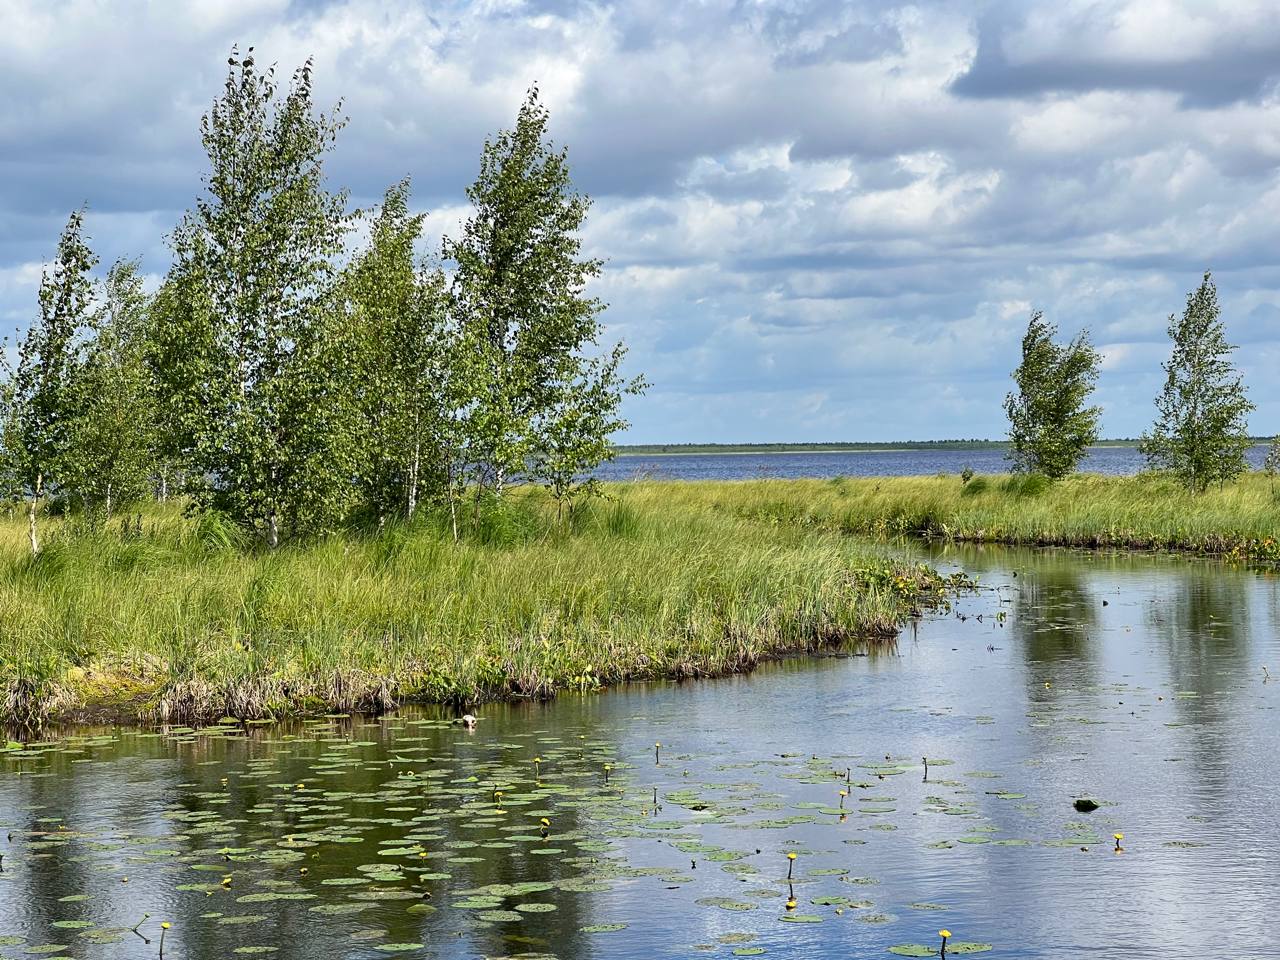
(822, 219)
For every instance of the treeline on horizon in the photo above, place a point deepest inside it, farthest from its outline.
(856, 446)
(293, 384)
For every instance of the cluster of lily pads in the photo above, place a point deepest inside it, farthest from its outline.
(392, 835)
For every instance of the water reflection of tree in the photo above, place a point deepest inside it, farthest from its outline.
(57, 871)
(1202, 618)
(1052, 614)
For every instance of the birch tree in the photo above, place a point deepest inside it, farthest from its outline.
(573, 436)
(406, 367)
(255, 263)
(1050, 426)
(1201, 429)
(42, 397)
(112, 436)
(519, 295)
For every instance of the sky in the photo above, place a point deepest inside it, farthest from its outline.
(822, 220)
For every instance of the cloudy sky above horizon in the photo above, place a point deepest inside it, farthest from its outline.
(823, 220)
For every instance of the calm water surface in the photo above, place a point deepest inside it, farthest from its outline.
(869, 463)
(1135, 680)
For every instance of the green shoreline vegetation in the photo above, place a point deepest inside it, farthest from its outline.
(171, 619)
(299, 477)
(1149, 511)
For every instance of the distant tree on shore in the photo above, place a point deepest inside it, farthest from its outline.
(1201, 429)
(1050, 426)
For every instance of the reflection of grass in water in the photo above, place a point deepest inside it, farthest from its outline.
(185, 623)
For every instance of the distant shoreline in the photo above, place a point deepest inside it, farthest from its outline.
(906, 446)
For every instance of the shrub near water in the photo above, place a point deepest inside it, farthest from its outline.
(183, 623)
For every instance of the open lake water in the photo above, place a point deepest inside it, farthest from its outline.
(856, 463)
(1134, 680)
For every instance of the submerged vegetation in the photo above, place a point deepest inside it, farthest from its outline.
(170, 618)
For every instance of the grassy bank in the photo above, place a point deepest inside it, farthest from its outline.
(182, 624)
(1142, 512)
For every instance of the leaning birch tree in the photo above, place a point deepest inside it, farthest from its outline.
(519, 296)
(1051, 425)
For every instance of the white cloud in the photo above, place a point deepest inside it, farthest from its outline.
(806, 214)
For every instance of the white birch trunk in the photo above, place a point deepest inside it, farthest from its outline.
(414, 468)
(31, 515)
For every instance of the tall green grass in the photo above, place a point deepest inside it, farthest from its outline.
(184, 622)
(1140, 512)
